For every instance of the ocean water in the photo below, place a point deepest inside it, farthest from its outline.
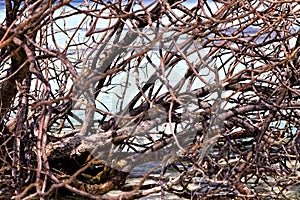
(76, 54)
(70, 25)
(2, 10)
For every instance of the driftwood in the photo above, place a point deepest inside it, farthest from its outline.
(208, 90)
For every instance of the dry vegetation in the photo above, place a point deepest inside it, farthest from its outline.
(208, 91)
